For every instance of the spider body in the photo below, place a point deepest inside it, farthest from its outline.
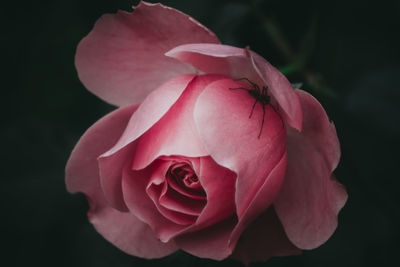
(261, 96)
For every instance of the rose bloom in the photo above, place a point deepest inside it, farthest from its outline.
(190, 162)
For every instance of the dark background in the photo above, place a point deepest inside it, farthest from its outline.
(45, 109)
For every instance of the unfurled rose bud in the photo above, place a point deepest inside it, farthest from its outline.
(211, 149)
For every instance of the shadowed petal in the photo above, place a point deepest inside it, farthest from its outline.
(262, 200)
(263, 239)
(128, 233)
(311, 198)
(211, 242)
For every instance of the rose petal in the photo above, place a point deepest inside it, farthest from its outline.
(110, 169)
(217, 59)
(134, 184)
(243, 63)
(81, 173)
(175, 201)
(128, 233)
(261, 200)
(310, 199)
(153, 108)
(281, 89)
(211, 242)
(263, 239)
(219, 185)
(175, 133)
(231, 137)
(154, 192)
(122, 59)
(124, 230)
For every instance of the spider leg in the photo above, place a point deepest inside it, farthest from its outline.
(275, 110)
(241, 88)
(246, 79)
(252, 109)
(262, 122)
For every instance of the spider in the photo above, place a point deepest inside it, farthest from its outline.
(260, 95)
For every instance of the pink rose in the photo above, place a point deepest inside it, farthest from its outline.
(181, 164)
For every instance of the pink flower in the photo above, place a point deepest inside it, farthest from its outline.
(180, 164)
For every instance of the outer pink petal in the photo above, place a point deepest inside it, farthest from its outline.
(231, 137)
(128, 233)
(216, 58)
(263, 239)
(240, 63)
(175, 133)
(311, 198)
(82, 175)
(153, 108)
(122, 59)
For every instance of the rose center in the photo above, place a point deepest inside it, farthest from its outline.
(182, 178)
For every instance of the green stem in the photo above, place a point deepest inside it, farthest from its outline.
(296, 66)
(274, 33)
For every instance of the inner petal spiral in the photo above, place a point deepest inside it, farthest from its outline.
(182, 178)
(176, 190)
